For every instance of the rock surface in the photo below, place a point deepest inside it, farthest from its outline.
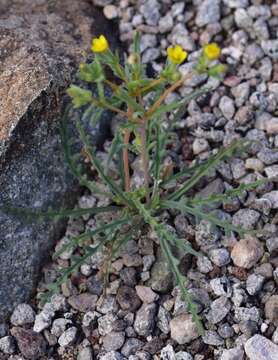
(260, 348)
(41, 42)
(23, 314)
(247, 252)
(232, 354)
(31, 344)
(144, 321)
(183, 329)
(83, 302)
(271, 309)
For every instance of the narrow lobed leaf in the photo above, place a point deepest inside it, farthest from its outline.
(206, 167)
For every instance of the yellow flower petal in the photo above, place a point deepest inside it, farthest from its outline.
(212, 51)
(176, 54)
(100, 44)
(170, 51)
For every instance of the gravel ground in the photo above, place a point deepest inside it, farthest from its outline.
(235, 282)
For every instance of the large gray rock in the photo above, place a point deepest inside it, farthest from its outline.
(41, 44)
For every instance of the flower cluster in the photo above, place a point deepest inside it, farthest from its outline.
(176, 54)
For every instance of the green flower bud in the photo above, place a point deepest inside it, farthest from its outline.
(217, 70)
(79, 96)
(175, 76)
(91, 72)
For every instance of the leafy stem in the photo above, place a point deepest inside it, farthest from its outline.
(145, 160)
(143, 104)
(125, 159)
(164, 96)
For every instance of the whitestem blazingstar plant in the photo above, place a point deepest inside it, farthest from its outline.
(140, 101)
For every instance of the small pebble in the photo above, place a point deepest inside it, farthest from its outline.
(183, 329)
(247, 252)
(146, 294)
(260, 348)
(68, 337)
(22, 314)
(110, 11)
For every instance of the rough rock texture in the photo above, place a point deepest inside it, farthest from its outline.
(247, 252)
(183, 329)
(41, 44)
(31, 345)
(260, 348)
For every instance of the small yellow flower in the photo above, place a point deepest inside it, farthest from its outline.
(176, 54)
(212, 51)
(100, 44)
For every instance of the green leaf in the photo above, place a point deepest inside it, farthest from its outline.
(80, 97)
(85, 73)
(217, 70)
(112, 60)
(30, 215)
(93, 113)
(162, 230)
(196, 211)
(163, 109)
(166, 238)
(182, 110)
(181, 280)
(136, 42)
(77, 240)
(92, 72)
(160, 150)
(65, 273)
(161, 137)
(122, 94)
(121, 241)
(121, 169)
(185, 172)
(135, 84)
(138, 70)
(227, 195)
(115, 148)
(72, 159)
(181, 105)
(175, 241)
(205, 168)
(93, 158)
